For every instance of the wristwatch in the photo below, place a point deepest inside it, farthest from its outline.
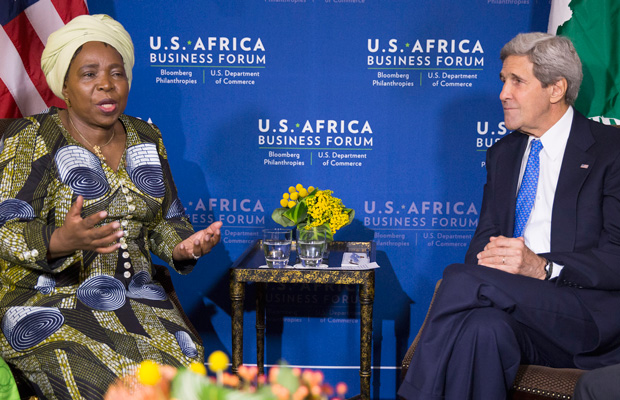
(548, 269)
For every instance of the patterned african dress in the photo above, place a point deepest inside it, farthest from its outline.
(72, 325)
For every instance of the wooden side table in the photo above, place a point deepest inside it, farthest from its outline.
(246, 269)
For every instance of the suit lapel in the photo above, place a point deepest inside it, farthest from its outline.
(576, 166)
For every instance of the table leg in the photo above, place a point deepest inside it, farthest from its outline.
(367, 296)
(237, 292)
(260, 327)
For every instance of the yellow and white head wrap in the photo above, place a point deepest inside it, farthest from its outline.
(62, 45)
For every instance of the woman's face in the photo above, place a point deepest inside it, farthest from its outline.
(97, 85)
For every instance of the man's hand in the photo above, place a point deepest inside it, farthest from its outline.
(513, 256)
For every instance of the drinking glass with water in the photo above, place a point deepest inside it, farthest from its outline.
(277, 247)
(311, 245)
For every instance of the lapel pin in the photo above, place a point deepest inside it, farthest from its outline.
(584, 166)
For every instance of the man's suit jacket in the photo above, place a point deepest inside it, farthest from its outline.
(585, 226)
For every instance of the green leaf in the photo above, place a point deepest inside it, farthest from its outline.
(279, 218)
(263, 393)
(312, 232)
(212, 392)
(188, 385)
(329, 234)
(297, 214)
(351, 214)
(287, 379)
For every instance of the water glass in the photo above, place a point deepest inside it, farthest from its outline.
(311, 245)
(277, 247)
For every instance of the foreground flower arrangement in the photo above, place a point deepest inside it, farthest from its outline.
(308, 208)
(152, 381)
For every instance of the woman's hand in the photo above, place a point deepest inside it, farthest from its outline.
(79, 233)
(199, 244)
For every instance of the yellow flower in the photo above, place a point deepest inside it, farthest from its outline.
(321, 209)
(325, 209)
(199, 368)
(218, 361)
(148, 373)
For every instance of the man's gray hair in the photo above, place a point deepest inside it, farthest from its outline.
(554, 58)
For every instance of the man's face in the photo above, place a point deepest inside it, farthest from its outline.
(525, 101)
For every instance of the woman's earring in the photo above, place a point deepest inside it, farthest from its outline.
(68, 102)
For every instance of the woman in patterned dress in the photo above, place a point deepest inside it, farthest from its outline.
(85, 195)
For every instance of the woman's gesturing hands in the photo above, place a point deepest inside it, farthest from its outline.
(79, 233)
(199, 244)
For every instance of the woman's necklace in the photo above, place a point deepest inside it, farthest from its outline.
(96, 148)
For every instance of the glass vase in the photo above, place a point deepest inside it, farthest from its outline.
(311, 246)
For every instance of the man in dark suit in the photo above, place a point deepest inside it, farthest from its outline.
(542, 273)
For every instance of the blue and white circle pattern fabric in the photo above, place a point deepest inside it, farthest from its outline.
(141, 288)
(45, 284)
(188, 347)
(25, 327)
(81, 171)
(176, 210)
(15, 209)
(102, 292)
(144, 169)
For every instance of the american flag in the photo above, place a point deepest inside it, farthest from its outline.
(26, 25)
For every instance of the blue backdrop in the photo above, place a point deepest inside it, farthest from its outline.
(389, 103)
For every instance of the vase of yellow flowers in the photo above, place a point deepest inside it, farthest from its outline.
(315, 211)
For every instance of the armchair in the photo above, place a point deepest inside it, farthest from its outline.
(533, 382)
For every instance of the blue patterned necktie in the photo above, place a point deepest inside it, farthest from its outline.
(527, 191)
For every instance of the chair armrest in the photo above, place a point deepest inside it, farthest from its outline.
(538, 382)
(409, 355)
